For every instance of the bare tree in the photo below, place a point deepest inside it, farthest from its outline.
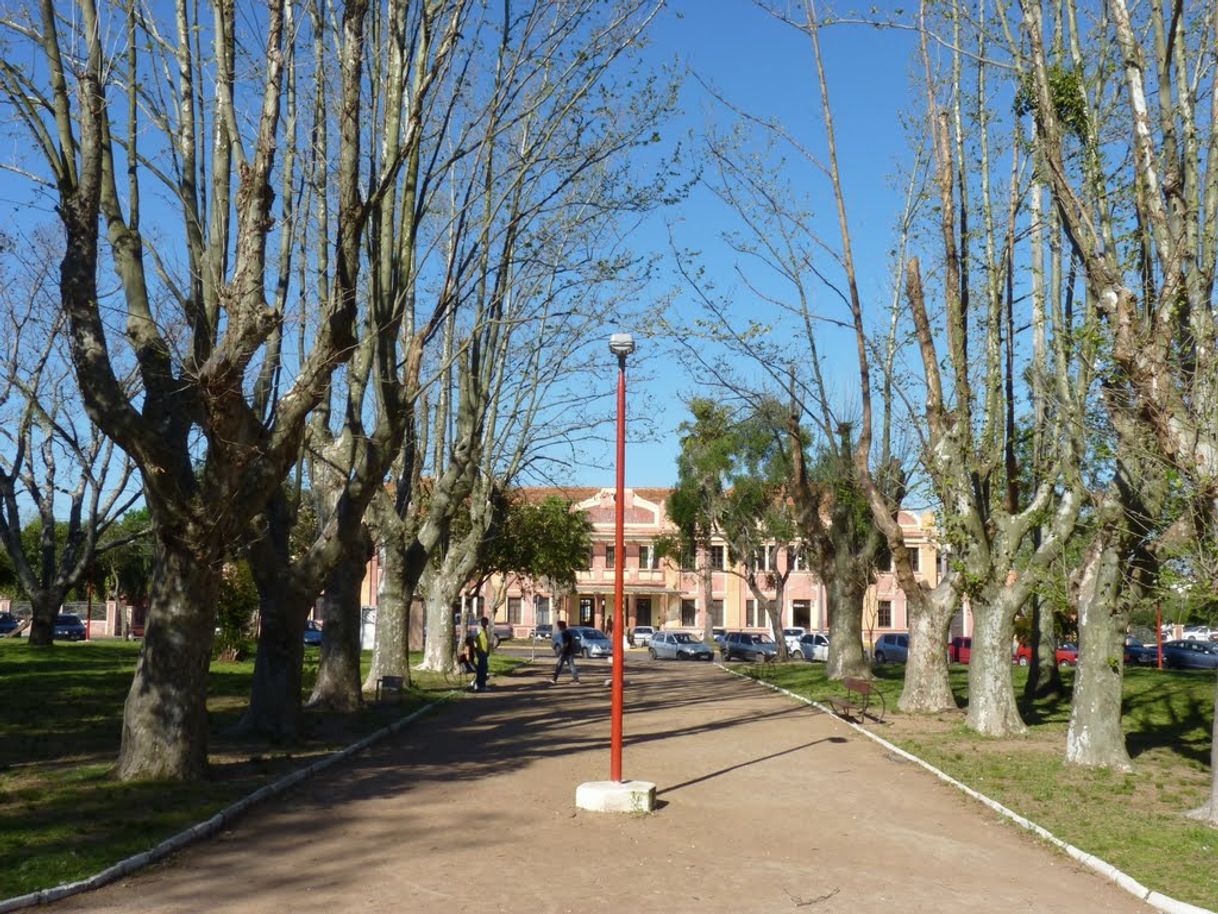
(208, 459)
(51, 455)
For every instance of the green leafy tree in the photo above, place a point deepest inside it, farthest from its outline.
(699, 501)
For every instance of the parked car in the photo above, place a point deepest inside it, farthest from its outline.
(719, 635)
(68, 627)
(1067, 654)
(748, 646)
(642, 635)
(312, 633)
(1139, 654)
(678, 646)
(543, 632)
(959, 650)
(1187, 654)
(814, 646)
(592, 642)
(1197, 633)
(792, 636)
(892, 646)
(8, 624)
(1022, 654)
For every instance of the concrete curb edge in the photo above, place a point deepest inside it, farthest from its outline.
(215, 823)
(1156, 900)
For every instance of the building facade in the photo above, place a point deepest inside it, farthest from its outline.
(659, 593)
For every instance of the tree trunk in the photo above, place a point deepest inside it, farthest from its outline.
(391, 655)
(44, 607)
(706, 580)
(441, 639)
(845, 612)
(165, 717)
(338, 676)
(1095, 738)
(991, 692)
(1044, 678)
(275, 693)
(927, 688)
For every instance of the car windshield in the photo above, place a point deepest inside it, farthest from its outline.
(593, 634)
(684, 638)
(67, 620)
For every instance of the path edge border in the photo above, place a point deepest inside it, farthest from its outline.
(221, 819)
(1157, 900)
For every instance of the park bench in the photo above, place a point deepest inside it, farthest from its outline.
(861, 696)
(388, 684)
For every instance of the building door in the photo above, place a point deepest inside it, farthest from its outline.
(642, 611)
(801, 612)
(587, 610)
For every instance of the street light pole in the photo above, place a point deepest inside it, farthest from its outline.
(621, 345)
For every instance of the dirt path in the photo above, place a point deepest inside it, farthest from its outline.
(765, 806)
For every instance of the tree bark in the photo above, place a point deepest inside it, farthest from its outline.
(927, 687)
(165, 716)
(845, 613)
(991, 706)
(338, 675)
(1095, 738)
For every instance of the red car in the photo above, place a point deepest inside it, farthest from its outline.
(959, 650)
(1067, 654)
(1022, 655)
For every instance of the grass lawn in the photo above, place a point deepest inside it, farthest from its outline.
(64, 817)
(1134, 821)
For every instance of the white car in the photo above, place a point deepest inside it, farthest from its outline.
(1198, 633)
(792, 636)
(814, 646)
(642, 635)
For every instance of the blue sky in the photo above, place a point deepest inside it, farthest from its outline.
(766, 68)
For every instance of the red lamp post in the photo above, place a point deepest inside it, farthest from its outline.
(621, 345)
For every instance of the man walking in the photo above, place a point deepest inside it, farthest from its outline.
(565, 642)
(482, 651)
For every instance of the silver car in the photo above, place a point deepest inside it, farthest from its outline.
(813, 646)
(591, 642)
(678, 646)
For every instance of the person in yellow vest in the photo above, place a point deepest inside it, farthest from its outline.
(482, 650)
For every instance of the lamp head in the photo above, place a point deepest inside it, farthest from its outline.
(621, 344)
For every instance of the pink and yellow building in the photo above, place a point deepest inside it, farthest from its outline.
(659, 593)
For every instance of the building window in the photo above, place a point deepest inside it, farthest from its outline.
(648, 556)
(689, 615)
(610, 556)
(799, 562)
(586, 609)
(591, 557)
(513, 610)
(541, 610)
(717, 613)
(717, 558)
(915, 555)
(771, 558)
(884, 616)
(883, 559)
(801, 613)
(689, 561)
(751, 615)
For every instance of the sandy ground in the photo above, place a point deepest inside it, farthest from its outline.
(764, 805)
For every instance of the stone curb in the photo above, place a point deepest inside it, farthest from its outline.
(1155, 899)
(216, 822)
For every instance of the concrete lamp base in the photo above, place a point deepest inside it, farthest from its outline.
(616, 796)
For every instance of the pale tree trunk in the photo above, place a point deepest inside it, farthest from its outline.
(845, 610)
(338, 675)
(1095, 738)
(439, 645)
(391, 653)
(991, 693)
(927, 688)
(1209, 812)
(706, 583)
(165, 715)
